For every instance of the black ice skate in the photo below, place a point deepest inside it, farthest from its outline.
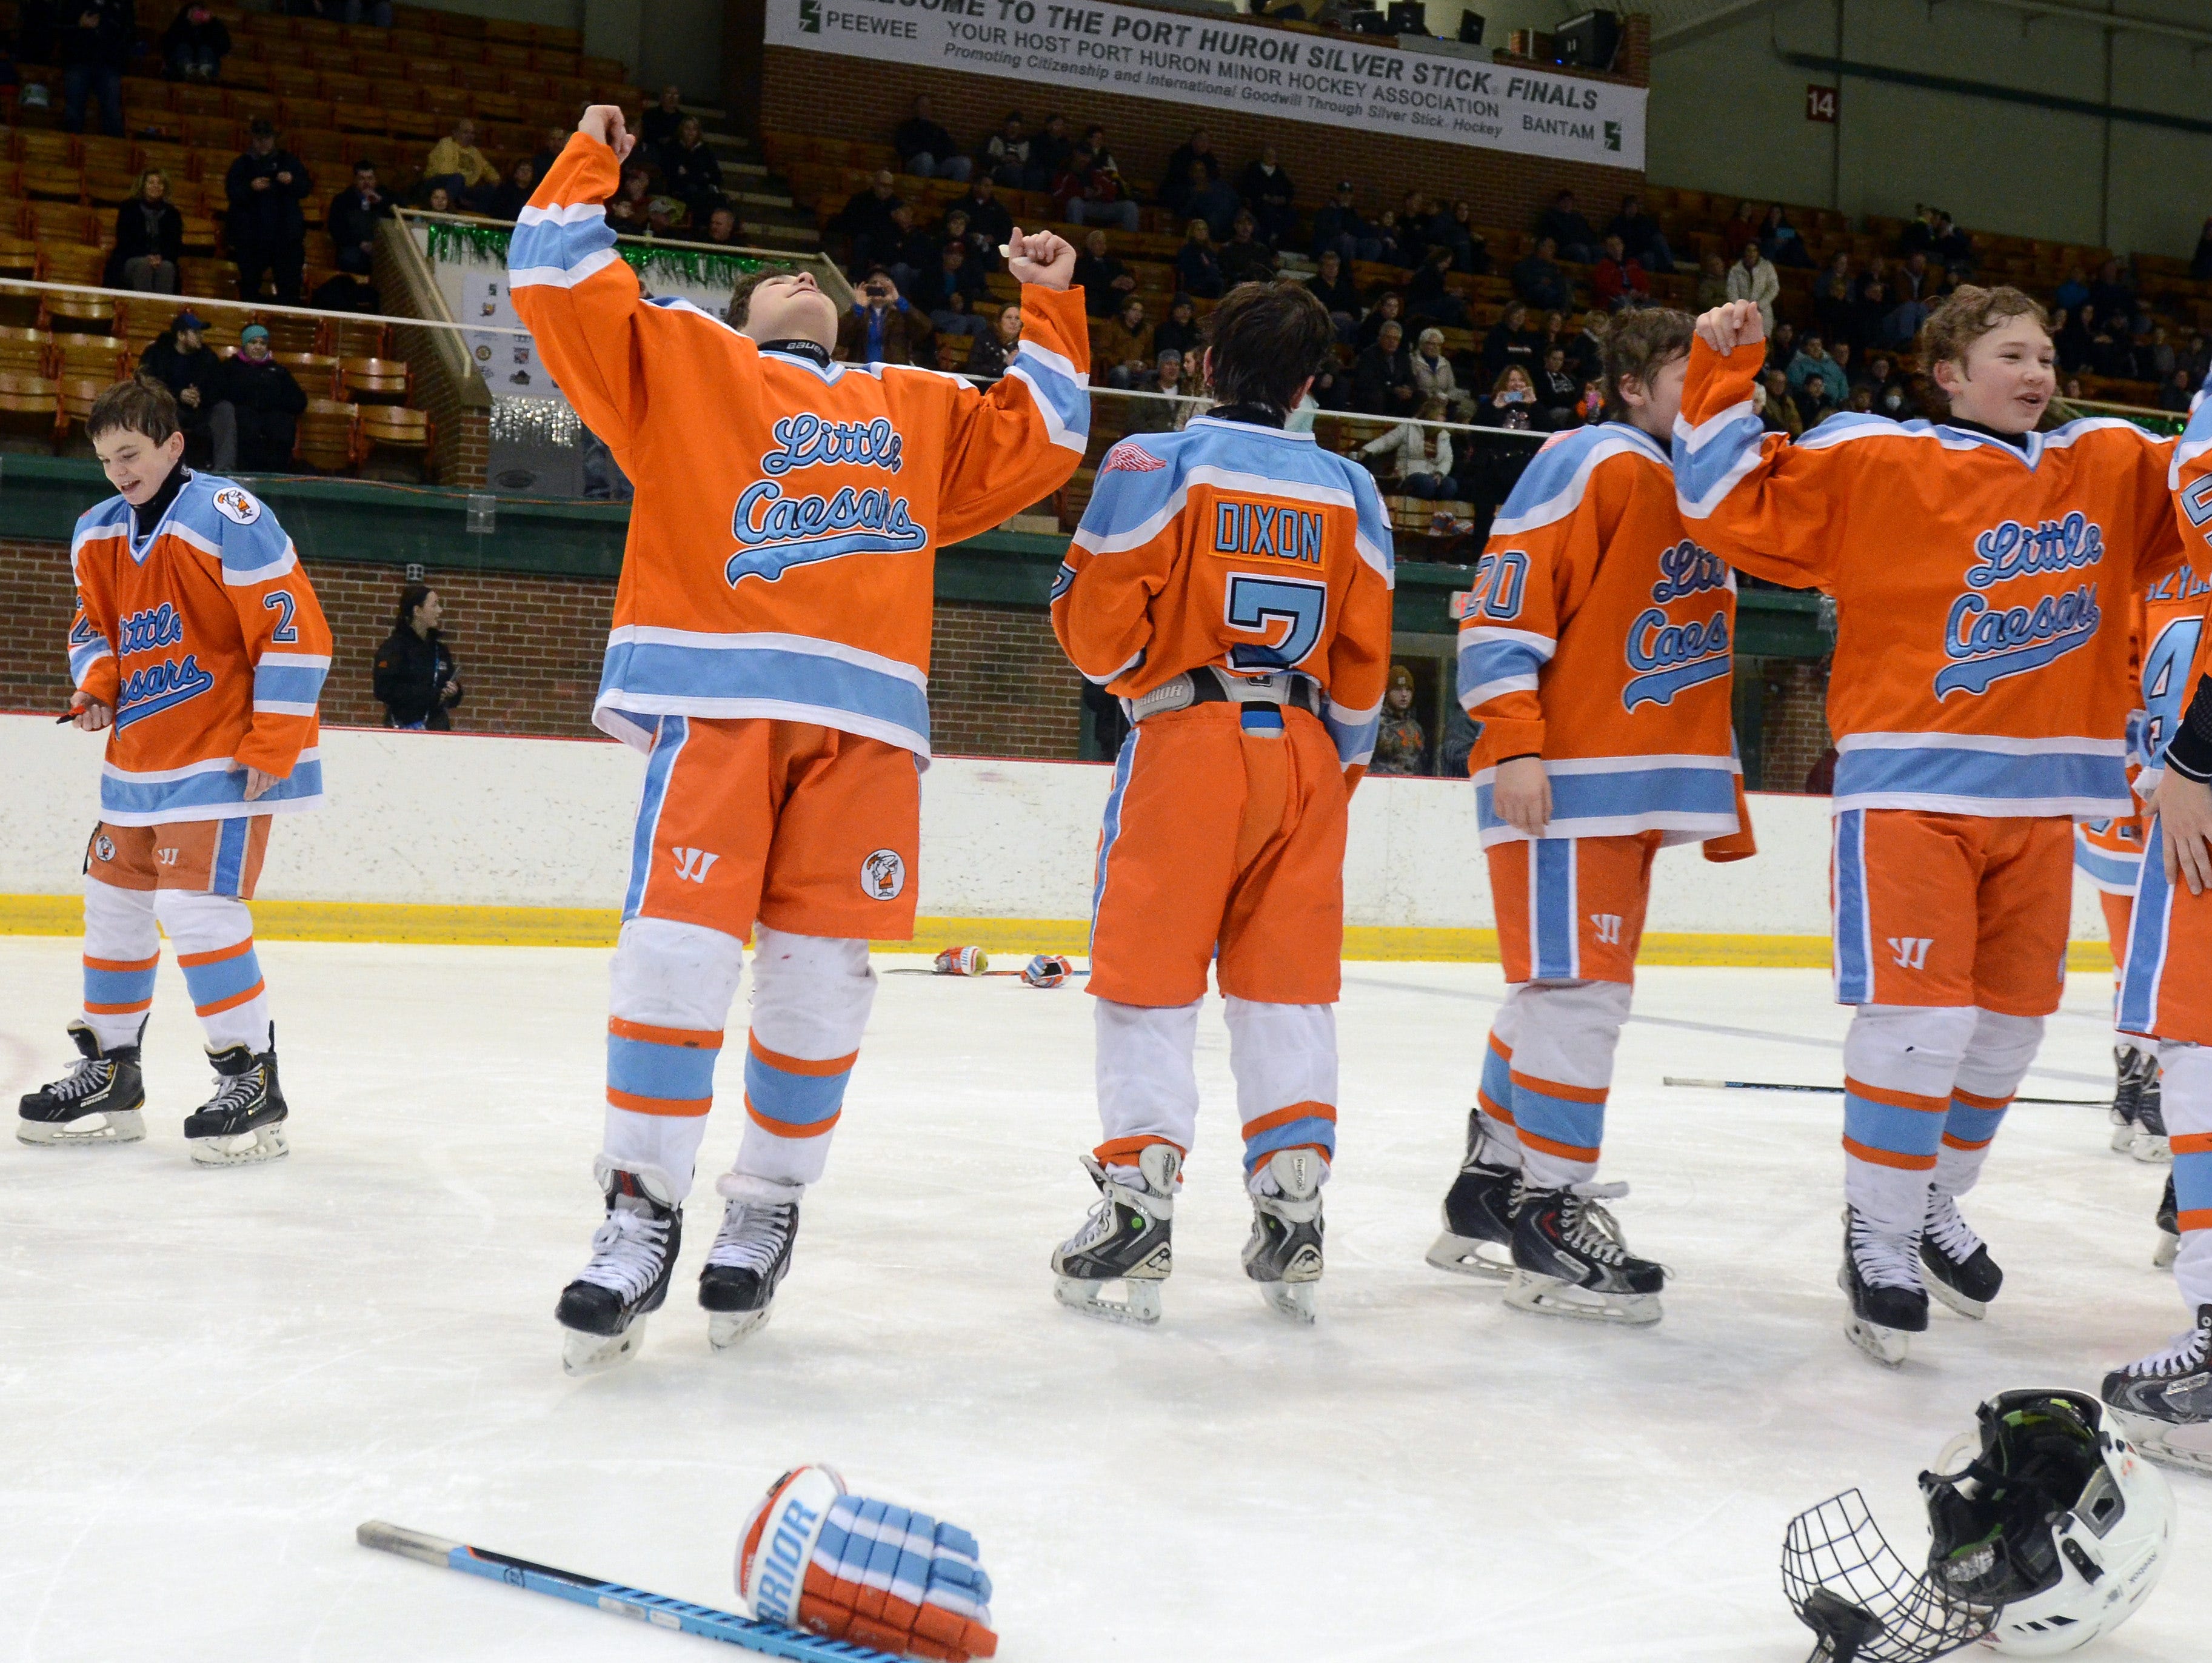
(1284, 1253)
(1889, 1302)
(2133, 1067)
(2164, 1402)
(1126, 1240)
(98, 1102)
(1570, 1260)
(2150, 1142)
(2169, 1229)
(244, 1122)
(632, 1256)
(751, 1254)
(1478, 1233)
(1961, 1270)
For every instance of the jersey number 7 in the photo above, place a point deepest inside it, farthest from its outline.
(1259, 604)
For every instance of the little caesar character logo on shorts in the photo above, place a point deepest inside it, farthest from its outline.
(883, 875)
(103, 847)
(235, 503)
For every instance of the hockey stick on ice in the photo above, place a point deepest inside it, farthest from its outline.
(1838, 1091)
(658, 1609)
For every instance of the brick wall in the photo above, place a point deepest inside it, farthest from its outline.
(807, 92)
(1795, 722)
(529, 649)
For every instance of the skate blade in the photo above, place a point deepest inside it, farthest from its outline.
(1972, 1309)
(123, 1126)
(1887, 1346)
(583, 1354)
(244, 1150)
(2124, 1136)
(2151, 1151)
(2168, 1249)
(2189, 1447)
(1292, 1300)
(1547, 1296)
(1471, 1256)
(726, 1328)
(1141, 1309)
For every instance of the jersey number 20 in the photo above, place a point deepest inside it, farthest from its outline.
(1260, 604)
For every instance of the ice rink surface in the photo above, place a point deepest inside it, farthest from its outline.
(211, 1377)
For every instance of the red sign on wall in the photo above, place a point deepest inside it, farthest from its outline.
(1819, 103)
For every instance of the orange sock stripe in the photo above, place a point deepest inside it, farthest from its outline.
(91, 1009)
(1268, 1122)
(1951, 1142)
(791, 1129)
(1597, 1094)
(822, 1069)
(2191, 1143)
(1504, 1051)
(1897, 1100)
(1973, 1102)
(1124, 1151)
(150, 962)
(2196, 1218)
(1903, 1163)
(690, 1039)
(1564, 1151)
(218, 955)
(233, 1001)
(682, 1107)
(1495, 1111)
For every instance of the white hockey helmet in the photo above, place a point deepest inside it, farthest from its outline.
(2055, 1519)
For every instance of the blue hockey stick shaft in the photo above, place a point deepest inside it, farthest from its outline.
(678, 1616)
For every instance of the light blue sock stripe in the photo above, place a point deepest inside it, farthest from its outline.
(1497, 1078)
(1553, 928)
(2192, 1182)
(118, 987)
(1110, 830)
(1854, 975)
(225, 978)
(1965, 1124)
(1559, 1119)
(1293, 1135)
(798, 1099)
(667, 742)
(2146, 928)
(229, 857)
(645, 1068)
(1885, 1126)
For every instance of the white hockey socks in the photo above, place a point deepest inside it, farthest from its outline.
(672, 985)
(812, 995)
(1900, 1063)
(1997, 1060)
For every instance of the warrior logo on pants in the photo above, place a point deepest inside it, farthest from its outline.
(883, 875)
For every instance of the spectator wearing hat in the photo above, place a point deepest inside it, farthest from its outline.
(1181, 330)
(1175, 400)
(417, 680)
(267, 234)
(353, 216)
(268, 400)
(1400, 746)
(182, 362)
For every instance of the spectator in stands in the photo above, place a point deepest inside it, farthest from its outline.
(93, 51)
(1570, 234)
(1410, 229)
(926, 149)
(549, 145)
(455, 163)
(1419, 458)
(1389, 308)
(1125, 346)
(1005, 157)
(948, 293)
(989, 224)
(1382, 378)
(882, 327)
(1181, 330)
(1953, 246)
(692, 171)
(1878, 373)
(1779, 242)
(1462, 733)
(1640, 235)
(1336, 291)
(1050, 151)
(1511, 402)
(629, 210)
(1400, 746)
(1207, 197)
(1198, 268)
(1913, 280)
(441, 201)
(1841, 352)
(1832, 298)
(1094, 137)
(1619, 282)
(1268, 191)
(1777, 410)
(1581, 352)
(1387, 249)
(2176, 391)
(1245, 257)
(1867, 319)
(267, 234)
(994, 349)
(1426, 297)
(1434, 379)
(2113, 293)
(1902, 325)
(722, 226)
(268, 402)
(1332, 389)
(1559, 390)
(1782, 346)
(1538, 280)
(182, 362)
(1712, 285)
(1816, 380)
(1105, 281)
(659, 125)
(417, 680)
(1744, 228)
(1176, 401)
(510, 195)
(1510, 341)
(2198, 358)
(1089, 194)
(149, 236)
(1338, 226)
(1753, 278)
(1197, 151)
(195, 44)
(865, 218)
(353, 214)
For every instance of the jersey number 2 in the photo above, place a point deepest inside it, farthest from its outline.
(281, 603)
(1259, 604)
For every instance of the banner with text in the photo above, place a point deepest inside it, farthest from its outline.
(1334, 80)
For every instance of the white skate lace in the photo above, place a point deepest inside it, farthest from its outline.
(83, 1081)
(1885, 1261)
(1950, 1229)
(752, 1236)
(1591, 1229)
(2184, 1353)
(626, 1252)
(237, 1091)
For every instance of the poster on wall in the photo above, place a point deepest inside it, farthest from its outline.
(508, 363)
(1333, 80)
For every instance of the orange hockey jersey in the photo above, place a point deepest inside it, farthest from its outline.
(205, 639)
(782, 551)
(1598, 636)
(1983, 590)
(1240, 546)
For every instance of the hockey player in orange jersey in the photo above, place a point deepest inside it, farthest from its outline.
(1983, 574)
(1595, 651)
(197, 645)
(1231, 582)
(770, 655)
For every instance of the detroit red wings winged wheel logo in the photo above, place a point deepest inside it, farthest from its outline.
(1130, 457)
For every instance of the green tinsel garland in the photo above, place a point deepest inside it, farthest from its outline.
(487, 244)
